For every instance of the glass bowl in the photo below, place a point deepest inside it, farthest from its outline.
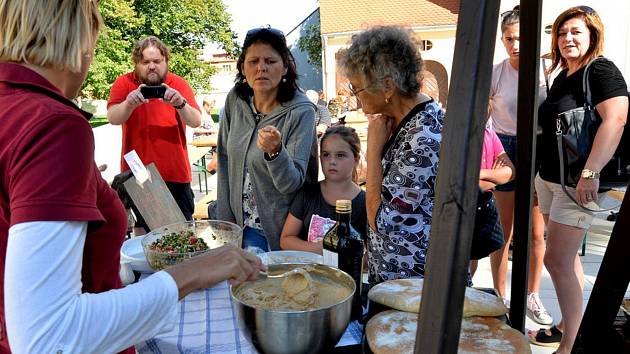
(215, 233)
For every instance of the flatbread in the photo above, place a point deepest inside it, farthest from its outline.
(491, 335)
(394, 331)
(406, 295)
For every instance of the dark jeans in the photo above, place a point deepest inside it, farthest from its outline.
(254, 238)
(184, 197)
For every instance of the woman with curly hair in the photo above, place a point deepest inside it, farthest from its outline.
(382, 65)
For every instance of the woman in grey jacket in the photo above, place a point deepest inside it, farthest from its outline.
(266, 146)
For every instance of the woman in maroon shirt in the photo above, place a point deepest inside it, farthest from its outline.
(61, 226)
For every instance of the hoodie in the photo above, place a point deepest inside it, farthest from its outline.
(275, 182)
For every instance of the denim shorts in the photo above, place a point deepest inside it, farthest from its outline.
(509, 145)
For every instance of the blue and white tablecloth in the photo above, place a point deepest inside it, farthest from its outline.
(207, 323)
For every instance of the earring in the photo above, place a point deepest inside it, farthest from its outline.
(386, 100)
(284, 79)
(244, 80)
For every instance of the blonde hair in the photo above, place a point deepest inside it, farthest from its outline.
(48, 33)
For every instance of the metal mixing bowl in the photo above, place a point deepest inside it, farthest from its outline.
(296, 332)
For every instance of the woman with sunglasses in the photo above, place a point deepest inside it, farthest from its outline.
(503, 99)
(266, 146)
(382, 65)
(61, 225)
(577, 39)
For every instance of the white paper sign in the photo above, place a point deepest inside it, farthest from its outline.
(136, 166)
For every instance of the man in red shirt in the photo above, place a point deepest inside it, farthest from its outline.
(156, 127)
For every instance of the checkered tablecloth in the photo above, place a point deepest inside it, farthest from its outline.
(207, 324)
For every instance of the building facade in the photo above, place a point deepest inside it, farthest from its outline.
(434, 23)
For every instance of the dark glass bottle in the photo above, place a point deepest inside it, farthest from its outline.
(343, 248)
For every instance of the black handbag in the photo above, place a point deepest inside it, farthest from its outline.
(488, 233)
(575, 131)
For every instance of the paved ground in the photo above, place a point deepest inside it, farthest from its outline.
(597, 240)
(108, 140)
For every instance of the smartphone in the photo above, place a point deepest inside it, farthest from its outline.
(153, 91)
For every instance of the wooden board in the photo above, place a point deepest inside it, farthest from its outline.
(154, 200)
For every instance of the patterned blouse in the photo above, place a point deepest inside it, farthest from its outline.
(251, 217)
(398, 248)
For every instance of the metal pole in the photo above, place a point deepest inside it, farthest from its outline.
(458, 179)
(527, 121)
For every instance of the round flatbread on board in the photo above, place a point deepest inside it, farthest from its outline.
(490, 335)
(406, 295)
(394, 331)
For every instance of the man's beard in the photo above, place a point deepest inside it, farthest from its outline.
(152, 79)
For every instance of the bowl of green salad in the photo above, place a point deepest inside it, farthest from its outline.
(172, 244)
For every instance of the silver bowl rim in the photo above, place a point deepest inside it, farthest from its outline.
(349, 297)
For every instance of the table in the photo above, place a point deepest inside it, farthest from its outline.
(206, 141)
(207, 324)
(197, 158)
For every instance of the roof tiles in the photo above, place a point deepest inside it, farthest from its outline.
(352, 15)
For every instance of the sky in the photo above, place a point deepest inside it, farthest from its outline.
(281, 14)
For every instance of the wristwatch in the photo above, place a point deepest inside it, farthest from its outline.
(589, 174)
(272, 156)
(181, 105)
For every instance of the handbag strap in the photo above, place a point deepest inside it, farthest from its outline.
(586, 87)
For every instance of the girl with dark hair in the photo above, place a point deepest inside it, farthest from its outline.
(266, 146)
(503, 99)
(312, 212)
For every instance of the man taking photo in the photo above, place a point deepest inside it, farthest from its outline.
(154, 106)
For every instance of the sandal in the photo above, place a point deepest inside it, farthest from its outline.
(543, 339)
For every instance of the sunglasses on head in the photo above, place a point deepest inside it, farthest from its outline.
(510, 13)
(256, 31)
(586, 9)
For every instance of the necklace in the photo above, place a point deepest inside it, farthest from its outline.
(259, 116)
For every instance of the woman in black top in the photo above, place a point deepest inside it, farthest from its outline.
(577, 39)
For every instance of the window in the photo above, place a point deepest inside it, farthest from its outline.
(425, 45)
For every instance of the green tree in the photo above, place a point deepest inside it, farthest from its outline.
(113, 49)
(311, 43)
(185, 26)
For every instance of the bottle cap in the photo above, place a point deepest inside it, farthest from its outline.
(343, 205)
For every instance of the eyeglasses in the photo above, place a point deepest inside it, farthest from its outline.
(257, 31)
(353, 89)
